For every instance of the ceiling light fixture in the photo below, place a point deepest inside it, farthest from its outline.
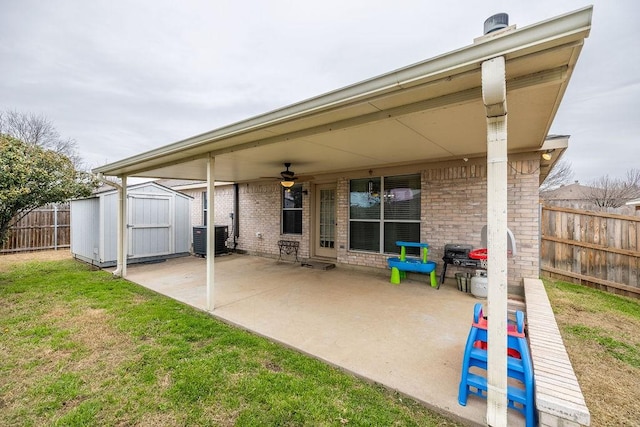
(287, 184)
(547, 154)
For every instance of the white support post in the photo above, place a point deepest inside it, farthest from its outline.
(495, 101)
(211, 232)
(121, 242)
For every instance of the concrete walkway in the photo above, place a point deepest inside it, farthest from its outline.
(409, 337)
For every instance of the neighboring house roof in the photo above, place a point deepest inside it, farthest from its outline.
(574, 191)
(174, 183)
(426, 112)
(188, 184)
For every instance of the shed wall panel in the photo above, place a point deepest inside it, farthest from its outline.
(85, 227)
(182, 224)
(110, 227)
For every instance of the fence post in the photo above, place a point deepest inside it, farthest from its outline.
(55, 227)
(540, 213)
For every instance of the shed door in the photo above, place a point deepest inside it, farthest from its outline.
(149, 225)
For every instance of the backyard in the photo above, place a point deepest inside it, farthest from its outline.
(79, 347)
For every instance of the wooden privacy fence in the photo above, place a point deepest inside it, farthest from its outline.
(43, 228)
(593, 248)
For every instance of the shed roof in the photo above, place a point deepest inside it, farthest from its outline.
(106, 190)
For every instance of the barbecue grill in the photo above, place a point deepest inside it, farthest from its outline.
(458, 254)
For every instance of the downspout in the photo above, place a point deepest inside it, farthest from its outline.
(494, 96)
(100, 177)
(121, 263)
(119, 237)
(120, 271)
(236, 215)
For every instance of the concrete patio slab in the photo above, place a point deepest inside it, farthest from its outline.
(408, 337)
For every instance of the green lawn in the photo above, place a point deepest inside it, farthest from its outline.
(78, 347)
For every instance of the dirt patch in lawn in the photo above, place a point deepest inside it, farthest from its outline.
(106, 347)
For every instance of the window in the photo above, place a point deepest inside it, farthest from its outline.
(292, 210)
(383, 211)
(204, 208)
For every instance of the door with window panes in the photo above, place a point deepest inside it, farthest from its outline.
(325, 218)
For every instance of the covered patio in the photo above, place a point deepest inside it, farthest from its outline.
(441, 122)
(408, 337)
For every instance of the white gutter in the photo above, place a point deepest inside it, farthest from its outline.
(100, 177)
(556, 31)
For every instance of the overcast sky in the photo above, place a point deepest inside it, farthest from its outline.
(124, 77)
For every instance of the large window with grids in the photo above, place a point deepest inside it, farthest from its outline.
(382, 211)
(292, 210)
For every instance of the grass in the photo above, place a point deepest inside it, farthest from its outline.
(78, 348)
(601, 332)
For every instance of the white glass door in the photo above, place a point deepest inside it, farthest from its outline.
(325, 234)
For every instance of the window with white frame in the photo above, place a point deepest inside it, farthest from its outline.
(204, 208)
(292, 210)
(382, 211)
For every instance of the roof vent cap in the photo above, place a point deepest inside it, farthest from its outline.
(496, 22)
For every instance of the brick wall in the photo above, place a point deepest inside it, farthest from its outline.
(454, 210)
(261, 212)
(223, 205)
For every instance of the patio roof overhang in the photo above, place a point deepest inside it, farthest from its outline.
(429, 111)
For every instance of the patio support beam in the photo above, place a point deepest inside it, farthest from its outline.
(211, 231)
(121, 238)
(494, 96)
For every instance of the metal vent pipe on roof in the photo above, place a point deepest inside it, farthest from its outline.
(496, 22)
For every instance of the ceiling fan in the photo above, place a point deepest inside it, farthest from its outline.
(288, 176)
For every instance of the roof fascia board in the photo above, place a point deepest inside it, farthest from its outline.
(575, 24)
(563, 87)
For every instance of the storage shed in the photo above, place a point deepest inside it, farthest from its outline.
(158, 222)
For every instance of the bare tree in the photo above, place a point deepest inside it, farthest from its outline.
(560, 174)
(36, 129)
(614, 192)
